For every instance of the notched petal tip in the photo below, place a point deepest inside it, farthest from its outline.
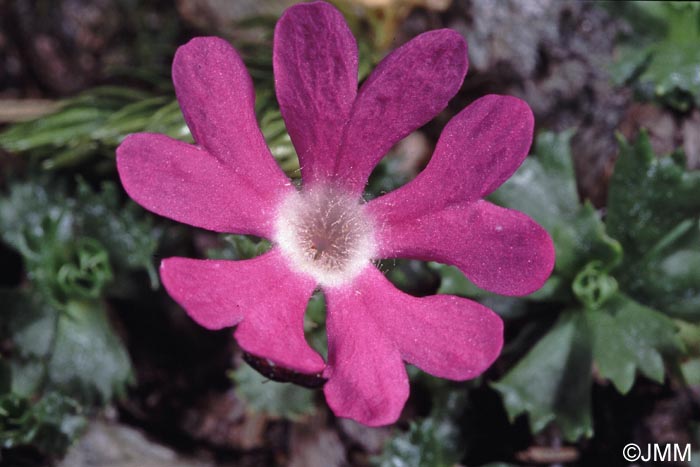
(407, 89)
(260, 295)
(519, 251)
(217, 98)
(314, 59)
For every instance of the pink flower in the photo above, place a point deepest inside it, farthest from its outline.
(324, 235)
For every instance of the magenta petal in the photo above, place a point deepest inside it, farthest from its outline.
(479, 149)
(218, 101)
(187, 184)
(315, 64)
(444, 335)
(260, 295)
(367, 379)
(372, 326)
(406, 90)
(499, 249)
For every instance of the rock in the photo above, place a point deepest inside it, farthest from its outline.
(508, 33)
(109, 444)
(555, 55)
(314, 445)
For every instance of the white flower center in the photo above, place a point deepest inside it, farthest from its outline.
(325, 234)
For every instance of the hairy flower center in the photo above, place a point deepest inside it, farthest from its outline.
(325, 234)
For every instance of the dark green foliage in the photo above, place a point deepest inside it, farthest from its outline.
(654, 211)
(92, 124)
(72, 244)
(427, 442)
(72, 349)
(552, 382)
(649, 197)
(63, 350)
(630, 338)
(434, 441)
(88, 359)
(662, 56)
(50, 424)
(315, 324)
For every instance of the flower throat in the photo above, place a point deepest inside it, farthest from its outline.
(325, 234)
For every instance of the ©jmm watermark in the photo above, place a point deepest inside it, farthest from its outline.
(657, 453)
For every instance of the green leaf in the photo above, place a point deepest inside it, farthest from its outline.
(88, 359)
(29, 323)
(629, 337)
(86, 272)
(691, 371)
(278, 140)
(631, 61)
(674, 70)
(689, 333)
(654, 211)
(648, 197)
(30, 216)
(73, 350)
(30, 326)
(63, 239)
(127, 232)
(28, 376)
(662, 54)
(584, 240)
(435, 440)
(675, 258)
(552, 383)
(315, 323)
(276, 400)
(546, 175)
(593, 286)
(50, 424)
(430, 442)
(56, 130)
(93, 123)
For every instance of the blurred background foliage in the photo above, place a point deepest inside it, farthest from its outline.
(94, 357)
